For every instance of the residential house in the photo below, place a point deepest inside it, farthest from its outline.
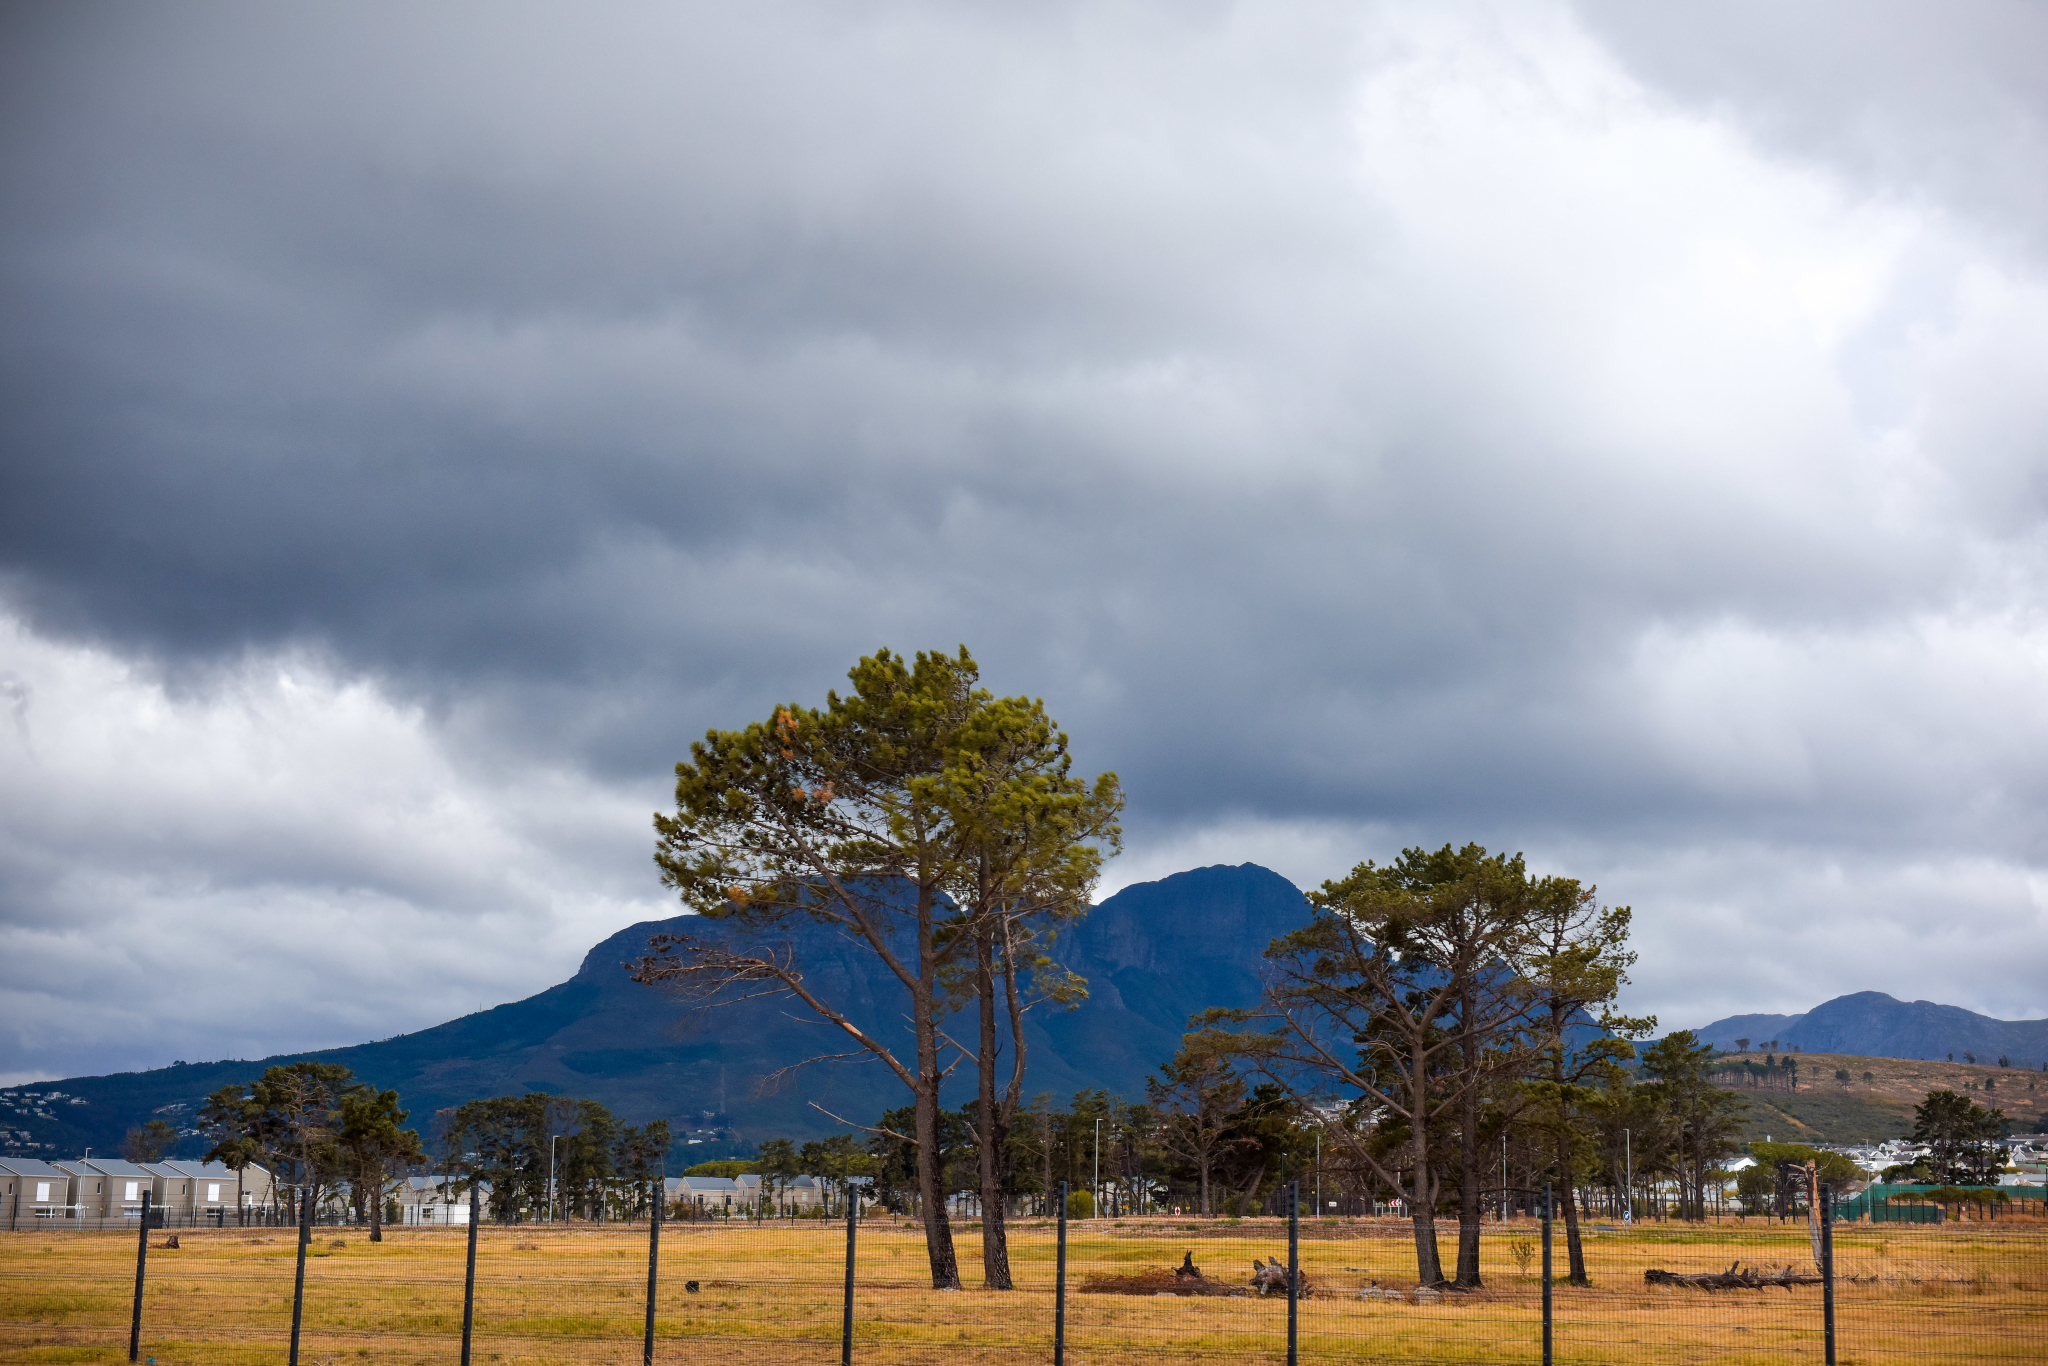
(207, 1192)
(430, 1200)
(109, 1187)
(709, 1194)
(30, 1190)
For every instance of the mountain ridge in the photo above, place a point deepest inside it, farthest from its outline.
(1873, 1024)
(1153, 954)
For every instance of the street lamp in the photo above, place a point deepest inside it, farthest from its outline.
(1628, 1214)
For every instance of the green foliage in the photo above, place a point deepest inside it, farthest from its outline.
(1960, 1136)
(149, 1142)
(599, 1165)
(1080, 1204)
(373, 1147)
(285, 1120)
(726, 1167)
(932, 823)
(1703, 1119)
(1196, 1095)
(1831, 1166)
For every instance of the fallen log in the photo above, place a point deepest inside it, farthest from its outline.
(1734, 1278)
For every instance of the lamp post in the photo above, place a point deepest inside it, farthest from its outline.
(1628, 1214)
(552, 1139)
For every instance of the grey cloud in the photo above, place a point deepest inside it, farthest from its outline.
(1409, 424)
(1922, 101)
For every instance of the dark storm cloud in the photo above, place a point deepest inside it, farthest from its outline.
(1609, 439)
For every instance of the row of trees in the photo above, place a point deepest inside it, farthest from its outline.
(318, 1130)
(534, 1149)
(314, 1127)
(1428, 1008)
(1433, 1013)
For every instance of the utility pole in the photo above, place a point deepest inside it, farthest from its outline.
(552, 1139)
(1628, 1214)
(1098, 1169)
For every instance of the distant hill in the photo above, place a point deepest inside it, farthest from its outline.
(1872, 1024)
(1843, 1098)
(1153, 954)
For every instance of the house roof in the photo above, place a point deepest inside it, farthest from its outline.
(207, 1170)
(29, 1166)
(104, 1166)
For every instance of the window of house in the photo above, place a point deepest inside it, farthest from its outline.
(134, 1187)
(213, 1190)
(43, 1192)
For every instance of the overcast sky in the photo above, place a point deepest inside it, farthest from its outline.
(1614, 432)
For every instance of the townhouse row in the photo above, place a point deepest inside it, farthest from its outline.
(94, 1192)
(424, 1200)
(102, 1192)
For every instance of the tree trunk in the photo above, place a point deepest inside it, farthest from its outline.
(376, 1198)
(1468, 1158)
(1429, 1268)
(1204, 1165)
(931, 1176)
(995, 1243)
(1575, 1250)
(1422, 1213)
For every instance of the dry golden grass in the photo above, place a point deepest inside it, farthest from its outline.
(771, 1295)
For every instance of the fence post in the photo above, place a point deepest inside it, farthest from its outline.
(1293, 1271)
(846, 1314)
(653, 1262)
(469, 1274)
(1827, 1268)
(141, 1258)
(1547, 1213)
(1059, 1288)
(299, 1283)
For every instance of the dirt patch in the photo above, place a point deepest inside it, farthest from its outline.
(1158, 1283)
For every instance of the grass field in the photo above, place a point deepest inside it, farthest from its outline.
(1961, 1293)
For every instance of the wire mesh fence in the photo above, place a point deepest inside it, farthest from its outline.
(1134, 1290)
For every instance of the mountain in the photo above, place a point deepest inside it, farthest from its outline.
(1872, 1024)
(1153, 954)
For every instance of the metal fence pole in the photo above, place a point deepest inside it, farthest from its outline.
(1059, 1288)
(141, 1258)
(1293, 1271)
(1547, 1212)
(653, 1265)
(846, 1314)
(469, 1274)
(299, 1284)
(1827, 1267)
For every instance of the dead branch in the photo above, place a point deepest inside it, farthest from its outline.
(851, 1124)
(1731, 1279)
